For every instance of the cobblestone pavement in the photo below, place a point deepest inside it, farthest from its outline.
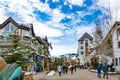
(78, 75)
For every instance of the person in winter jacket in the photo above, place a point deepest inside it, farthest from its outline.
(99, 70)
(105, 70)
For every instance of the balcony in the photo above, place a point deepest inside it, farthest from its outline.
(25, 42)
(5, 41)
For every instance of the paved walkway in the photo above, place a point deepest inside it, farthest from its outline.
(78, 75)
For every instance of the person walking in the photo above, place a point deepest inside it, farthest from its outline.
(66, 69)
(72, 67)
(75, 66)
(63, 69)
(105, 71)
(59, 69)
(99, 70)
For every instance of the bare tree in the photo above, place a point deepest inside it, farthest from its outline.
(107, 20)
(98, 33)
(103, 25)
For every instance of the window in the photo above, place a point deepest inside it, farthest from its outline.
(82, 52)
(81, 42)
(91, 42)
(86, 44)
(108, 41)
(9, 28)
(119, 61)
(116, 61)
(118, 44)
(118, 33)
(81, 47)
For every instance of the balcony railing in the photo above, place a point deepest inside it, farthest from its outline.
(5, 41)
(33, 44)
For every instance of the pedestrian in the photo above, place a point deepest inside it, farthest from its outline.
(63, 69)
(69, 67)
(105, 71)
(75, 68)
(59, 69)
(72, 67)
(99, 70)
(66, 69)
(81, 66)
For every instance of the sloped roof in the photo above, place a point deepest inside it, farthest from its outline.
(38, 38)
(86, 35)
(19, 26)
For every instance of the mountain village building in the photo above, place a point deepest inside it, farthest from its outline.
(17, 38)
(109, 49)
(84, 48)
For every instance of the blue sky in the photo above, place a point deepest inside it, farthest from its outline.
(62, 21)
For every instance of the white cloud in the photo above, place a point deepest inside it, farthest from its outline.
(53, 41)
(115, 3)
(103, 3)
(55, 1)
(72, 36)
(2, 14)
(75, 2)
(70, 32)
(57, 16)
(43, 7)
(34, 1)
(43, 29)
(85, 28)
(61, 49)
(24, 11)
(114, 8)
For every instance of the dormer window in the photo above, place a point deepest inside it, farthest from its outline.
(9, 28)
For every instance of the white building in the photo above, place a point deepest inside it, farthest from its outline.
(116, 45)
(84, 48)
(110, 47)
(16, 38)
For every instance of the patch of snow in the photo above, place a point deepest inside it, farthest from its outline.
(51, 73)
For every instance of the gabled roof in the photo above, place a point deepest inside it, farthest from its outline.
(115, 25)
(19, 26)
(86, 35)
